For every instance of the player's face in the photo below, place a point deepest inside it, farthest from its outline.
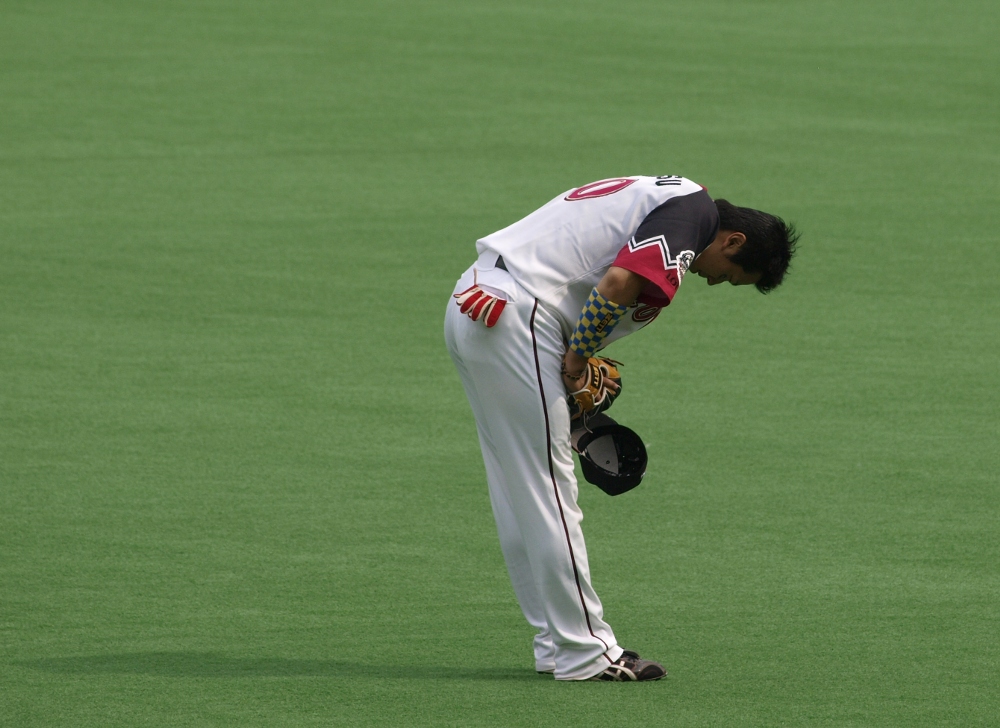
(715, 264)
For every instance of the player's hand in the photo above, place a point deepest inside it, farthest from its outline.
(596, 389)
(573, 362)
(574, 369)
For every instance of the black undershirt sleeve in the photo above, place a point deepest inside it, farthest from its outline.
(666, 242)
(689, 222)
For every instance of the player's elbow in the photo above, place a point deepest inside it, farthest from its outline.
(621, 285)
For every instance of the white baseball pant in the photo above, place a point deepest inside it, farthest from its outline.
(511, 375)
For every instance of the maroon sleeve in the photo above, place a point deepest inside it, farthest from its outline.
(648, 262)
(667, 241)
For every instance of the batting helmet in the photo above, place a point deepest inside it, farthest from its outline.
(612, 456)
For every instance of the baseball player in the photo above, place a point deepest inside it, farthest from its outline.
(523, 327)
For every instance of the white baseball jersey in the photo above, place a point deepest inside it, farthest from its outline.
(552, 259)
(653, 226)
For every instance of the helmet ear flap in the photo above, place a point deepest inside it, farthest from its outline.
(612, 456)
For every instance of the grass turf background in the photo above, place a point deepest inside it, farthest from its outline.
(239, 483)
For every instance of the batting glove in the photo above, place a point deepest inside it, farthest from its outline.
(480, 305)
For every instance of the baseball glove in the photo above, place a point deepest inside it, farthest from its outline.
(595, 396)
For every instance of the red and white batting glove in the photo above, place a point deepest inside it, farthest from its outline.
(480, 305)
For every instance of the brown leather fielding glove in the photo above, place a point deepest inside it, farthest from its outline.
(595, 396)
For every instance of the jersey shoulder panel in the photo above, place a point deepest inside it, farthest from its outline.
(668, 240)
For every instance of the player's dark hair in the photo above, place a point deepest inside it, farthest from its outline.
(770, 242)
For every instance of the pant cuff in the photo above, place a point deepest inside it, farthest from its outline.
(596, 667)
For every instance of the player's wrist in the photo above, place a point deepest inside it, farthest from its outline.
(574, 366)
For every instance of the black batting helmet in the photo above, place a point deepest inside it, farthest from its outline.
(612, 456)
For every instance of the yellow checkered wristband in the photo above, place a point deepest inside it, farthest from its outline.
(598, 318)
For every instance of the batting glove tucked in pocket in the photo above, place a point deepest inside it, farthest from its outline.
(480, 305)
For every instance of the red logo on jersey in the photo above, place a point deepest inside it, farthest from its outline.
(599, 189)
(645, 313)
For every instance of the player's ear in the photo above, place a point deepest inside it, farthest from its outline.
(733, 241)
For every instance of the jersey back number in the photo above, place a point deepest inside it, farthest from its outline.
(600, 188)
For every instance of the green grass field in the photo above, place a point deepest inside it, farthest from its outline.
(239, 481)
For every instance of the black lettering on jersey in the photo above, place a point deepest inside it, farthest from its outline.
(668, 180)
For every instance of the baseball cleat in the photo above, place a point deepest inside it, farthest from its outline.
(631, 668)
